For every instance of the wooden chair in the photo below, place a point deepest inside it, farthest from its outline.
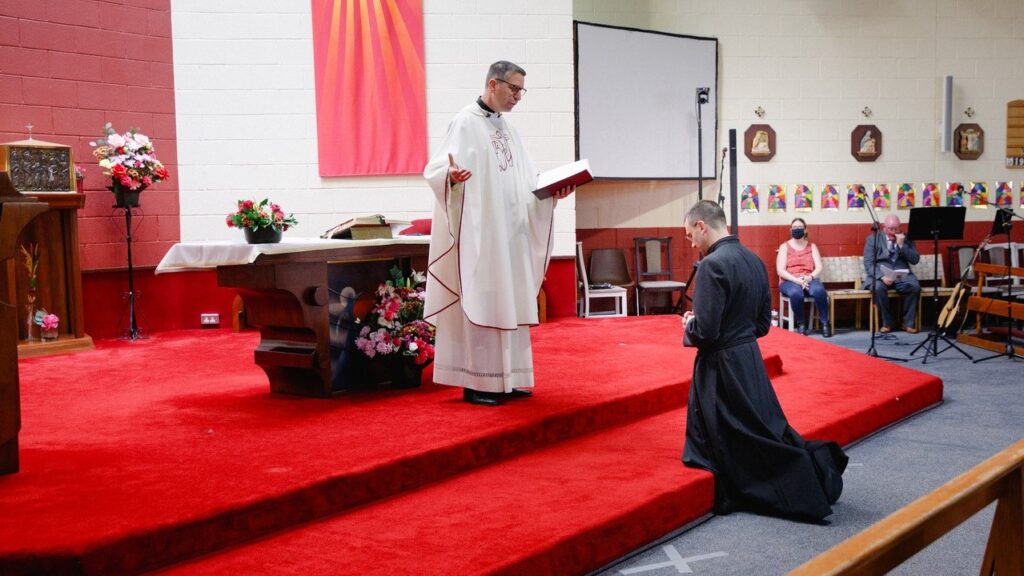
(588, 293)
(654, 272)
(608, 266)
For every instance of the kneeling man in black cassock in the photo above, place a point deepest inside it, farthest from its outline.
(735, 426)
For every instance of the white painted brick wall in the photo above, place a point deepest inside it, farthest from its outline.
(813, 66)
(243, 72)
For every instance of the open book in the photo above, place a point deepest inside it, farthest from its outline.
(551, 181)
(888, 272)
(361, 228)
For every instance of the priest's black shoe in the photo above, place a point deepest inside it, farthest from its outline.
(826, 330)
(481, 398)
(520, 393)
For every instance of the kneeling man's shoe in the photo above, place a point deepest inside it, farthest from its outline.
(520, 393)
(481, 398)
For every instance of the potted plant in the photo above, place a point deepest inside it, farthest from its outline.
(395, 332)
(130, 161)
(263, 222)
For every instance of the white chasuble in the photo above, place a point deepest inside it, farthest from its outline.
(491, 241)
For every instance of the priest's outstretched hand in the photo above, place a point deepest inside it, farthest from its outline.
(456, 174)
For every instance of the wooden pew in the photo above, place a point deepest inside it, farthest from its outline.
(906, 532)
(995, 305)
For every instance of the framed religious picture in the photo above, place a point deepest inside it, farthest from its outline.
(866, 143)
(968, 141)
(759, 143)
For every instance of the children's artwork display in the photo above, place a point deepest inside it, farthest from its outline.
(881, 197)
(1004, 194)
(979, 195)
(749, 200)
(954, 194)
(803, 198)
(930, 194)
(905, 196)
(830, 197)
(776, 198)
(855, 197)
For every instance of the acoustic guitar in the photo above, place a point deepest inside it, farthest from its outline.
(954, 313)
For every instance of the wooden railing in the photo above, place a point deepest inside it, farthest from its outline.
(885, 545)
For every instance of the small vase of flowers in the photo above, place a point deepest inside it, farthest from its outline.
(48, 324)
(263, 221)
(130, 161)
(395, 333)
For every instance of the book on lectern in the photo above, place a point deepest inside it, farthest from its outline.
(361, 228)
(551, 181)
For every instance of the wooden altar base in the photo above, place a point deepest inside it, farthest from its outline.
(61, 345)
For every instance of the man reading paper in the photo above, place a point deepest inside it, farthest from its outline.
(891, 248)
(490, 246)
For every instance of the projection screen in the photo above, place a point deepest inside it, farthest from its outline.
(636, 102)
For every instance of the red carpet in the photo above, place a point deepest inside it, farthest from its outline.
(145, 454)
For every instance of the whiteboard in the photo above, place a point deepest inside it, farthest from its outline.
(636, 102)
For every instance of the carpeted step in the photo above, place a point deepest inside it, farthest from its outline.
(567, 509)
(165, 455)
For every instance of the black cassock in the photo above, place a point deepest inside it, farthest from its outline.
(735, 426)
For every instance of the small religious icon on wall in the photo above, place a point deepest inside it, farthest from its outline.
(759, 143)
(968, 141)
(866, 143)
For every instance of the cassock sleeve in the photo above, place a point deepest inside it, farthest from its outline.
(709, 297)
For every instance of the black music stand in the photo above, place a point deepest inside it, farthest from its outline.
(1003, 224)
(937, 223)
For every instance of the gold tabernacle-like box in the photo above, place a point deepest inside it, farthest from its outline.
(37, 167)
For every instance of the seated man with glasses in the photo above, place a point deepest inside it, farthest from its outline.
(888, 254)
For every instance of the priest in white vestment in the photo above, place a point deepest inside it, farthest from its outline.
(490, 245)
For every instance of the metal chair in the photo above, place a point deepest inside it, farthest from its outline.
(654, 272)
(588, 292)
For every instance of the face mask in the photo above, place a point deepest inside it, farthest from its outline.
(797, 233)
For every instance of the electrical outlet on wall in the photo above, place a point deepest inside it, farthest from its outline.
(209, 319)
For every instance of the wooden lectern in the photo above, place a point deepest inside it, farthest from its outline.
(16, 212)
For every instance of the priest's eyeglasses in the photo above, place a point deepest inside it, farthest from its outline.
(516, 89)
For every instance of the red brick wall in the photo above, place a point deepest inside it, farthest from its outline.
(69, 66)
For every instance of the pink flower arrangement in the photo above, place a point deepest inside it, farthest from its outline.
(263, 214)
(396, 325)
(129, 158)
(50, 322)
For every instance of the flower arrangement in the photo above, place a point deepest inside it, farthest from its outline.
(264, 214)
(396, 325)
(128, 158)
(79, 172)
(47, 320)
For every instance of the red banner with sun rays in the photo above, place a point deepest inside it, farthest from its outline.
(371, 111)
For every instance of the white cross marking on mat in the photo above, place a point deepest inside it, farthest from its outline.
(681, 564)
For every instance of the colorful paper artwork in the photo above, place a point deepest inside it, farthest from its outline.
(979, 195)
(749, 200)
(954, 194)
(855, 197)
(905, 196)
(803, 198)
(776, 198)
(881, 197)
(1021, 194)
(830, 197)
(1004, 194)
(930, 194)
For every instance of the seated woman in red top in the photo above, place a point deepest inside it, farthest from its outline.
(799, 264)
